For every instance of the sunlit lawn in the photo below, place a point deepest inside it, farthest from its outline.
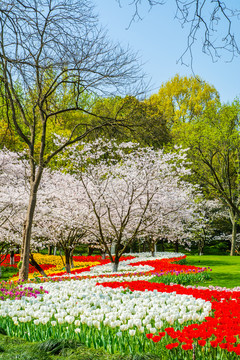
(225, 269)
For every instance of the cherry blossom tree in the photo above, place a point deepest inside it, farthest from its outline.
(129, 189)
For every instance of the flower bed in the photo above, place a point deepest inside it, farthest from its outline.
(127, 313)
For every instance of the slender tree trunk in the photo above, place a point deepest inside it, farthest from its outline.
(162, 243)
(90, 251)
(201, 244)
(23, 273)
(67, 262)
(55, 250)
(12, 262)
(234, 235)
(23, 240)
(50, 248)
(176, 246)
(152, 246)
(234, 219)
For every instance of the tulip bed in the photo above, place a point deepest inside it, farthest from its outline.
(132, 311)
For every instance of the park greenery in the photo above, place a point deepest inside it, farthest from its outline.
(89, 164)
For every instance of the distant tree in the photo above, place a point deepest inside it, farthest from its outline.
(47, 46)
(183, 99)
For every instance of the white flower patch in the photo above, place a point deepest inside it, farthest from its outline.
(158, 255)
(76, 302)
(123, 268)
(124, 265)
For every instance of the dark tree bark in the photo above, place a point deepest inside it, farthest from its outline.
(37, 266)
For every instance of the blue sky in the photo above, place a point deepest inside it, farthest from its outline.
(160, 41)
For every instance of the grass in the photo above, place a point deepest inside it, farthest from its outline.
(225, 269)
(8, 272)
(18, 349)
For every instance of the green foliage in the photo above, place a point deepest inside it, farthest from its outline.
(183, 279)
(141, 121)
(2, 331)
(182, 99)
(55, 346)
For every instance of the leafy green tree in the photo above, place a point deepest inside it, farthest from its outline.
(143, 122)
(184, 98)
(213, 140)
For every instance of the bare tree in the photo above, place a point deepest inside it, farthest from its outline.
(47, 46)
(213, 20)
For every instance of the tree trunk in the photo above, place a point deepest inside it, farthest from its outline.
(12, 262)
(201, 244)
(25, 253)
(113, 248)
(162, 243)
(55, 250)
(67, 262)
(115, 266)
(152, 246)
(176, 246)
(37, 266)
(90, 251)
(234, 234)
(50, 248)
(71, 261)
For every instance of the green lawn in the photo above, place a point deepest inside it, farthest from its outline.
(225, 269)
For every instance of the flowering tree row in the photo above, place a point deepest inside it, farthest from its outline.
(110, 195)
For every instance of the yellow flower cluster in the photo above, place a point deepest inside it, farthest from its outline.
(59, 266)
